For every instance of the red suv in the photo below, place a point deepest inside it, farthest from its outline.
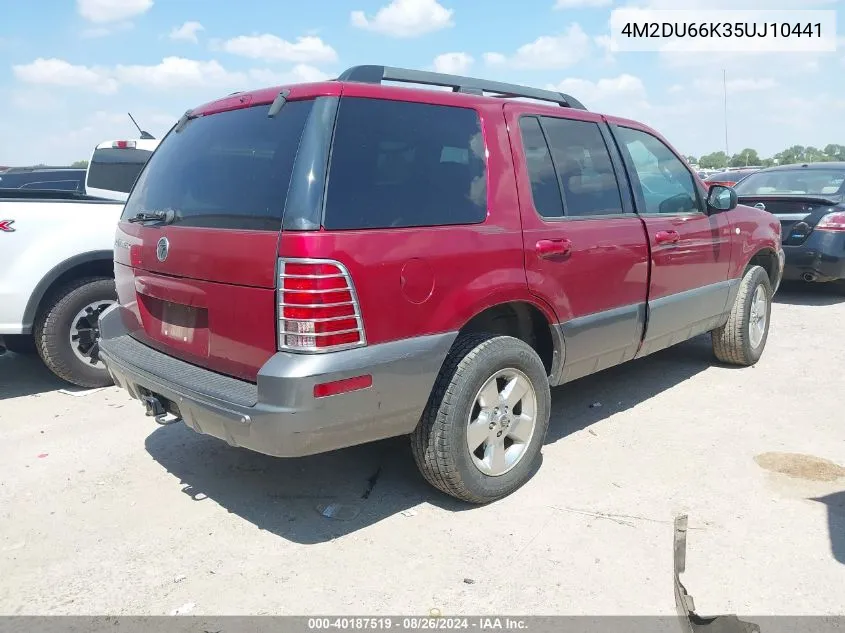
(305, 269)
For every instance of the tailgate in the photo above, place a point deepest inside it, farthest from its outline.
(197, 245)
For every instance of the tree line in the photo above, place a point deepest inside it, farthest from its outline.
(749, 156)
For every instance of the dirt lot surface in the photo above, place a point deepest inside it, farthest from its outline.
(103, 511)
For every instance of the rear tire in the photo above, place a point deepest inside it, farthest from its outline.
(508, 435)
(77, 306)
(742, 339)
(23, 344)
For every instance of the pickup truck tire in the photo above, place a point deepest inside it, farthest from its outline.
(53, 330)
(20, 343)
(742, 339)
(454, 418)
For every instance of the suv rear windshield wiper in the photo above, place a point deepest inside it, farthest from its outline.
(155, 216)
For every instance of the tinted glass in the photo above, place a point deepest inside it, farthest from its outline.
(61, 180)
(583, 167)
(667, 185)
(544, 187)
(116, 169)
(226, 170)
(818, 182)
(398, 164)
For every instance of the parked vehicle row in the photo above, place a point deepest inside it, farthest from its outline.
(729, 177)
(809, 201)
(57, 256)
(306, 268)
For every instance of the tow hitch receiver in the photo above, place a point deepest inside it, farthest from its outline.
(155, 409)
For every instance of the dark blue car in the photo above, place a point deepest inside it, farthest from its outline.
(809, 200)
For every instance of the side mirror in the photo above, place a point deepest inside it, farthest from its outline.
(721, 198)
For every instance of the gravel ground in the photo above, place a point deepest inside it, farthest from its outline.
(102, 511)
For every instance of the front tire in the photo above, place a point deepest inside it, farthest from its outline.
(480, 436)
(742, 339)
(67, 333)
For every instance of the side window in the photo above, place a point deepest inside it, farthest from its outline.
(667, 185)
(541, 172)
(584, 167)
(402, 164)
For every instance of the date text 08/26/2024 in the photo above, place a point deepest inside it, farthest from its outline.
(418, 623)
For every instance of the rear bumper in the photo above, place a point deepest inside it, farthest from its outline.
(820, 258)
(279, 415)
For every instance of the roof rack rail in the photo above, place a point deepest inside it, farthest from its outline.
(468, 85)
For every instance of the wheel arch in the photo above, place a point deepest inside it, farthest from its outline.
(767, 259)
(526, 321)
(90, 264)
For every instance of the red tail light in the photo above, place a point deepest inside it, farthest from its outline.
(832, 222)
(318, 308)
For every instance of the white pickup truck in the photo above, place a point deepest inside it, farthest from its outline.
(56, 263)
(56, 276)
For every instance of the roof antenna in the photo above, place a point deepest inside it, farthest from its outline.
(144, 135)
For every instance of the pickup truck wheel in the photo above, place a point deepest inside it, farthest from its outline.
(742, 339)
(20, 343)
(67, 331)
(480, 436)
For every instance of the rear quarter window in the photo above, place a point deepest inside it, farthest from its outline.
(401, 164)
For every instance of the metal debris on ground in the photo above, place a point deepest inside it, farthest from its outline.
(338, 511)
(179, 578)
(596, 405)
(469, 581)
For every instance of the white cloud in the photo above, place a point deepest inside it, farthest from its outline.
(604, 43)
(406, 18)
(179, 72)
(624, 95)
(547, 51)
(187, 32)
(58, 72)
(172, 73)
(308, 49)
(301, 73)
(578, 4)
(453, 63)
(105, 11)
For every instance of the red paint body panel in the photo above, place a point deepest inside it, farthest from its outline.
(416, 281)
(608, 262)
(701, 255)
(227, 277)
(758, 231)
(468, 268)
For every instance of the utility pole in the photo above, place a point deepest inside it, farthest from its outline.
(725, 89)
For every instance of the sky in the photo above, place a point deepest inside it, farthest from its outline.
(70, 70)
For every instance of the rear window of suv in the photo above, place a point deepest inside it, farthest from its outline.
(229, 170)
(402, 164)
(116, 169)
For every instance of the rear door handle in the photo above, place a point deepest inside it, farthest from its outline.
(667, 237)
(554, 249)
